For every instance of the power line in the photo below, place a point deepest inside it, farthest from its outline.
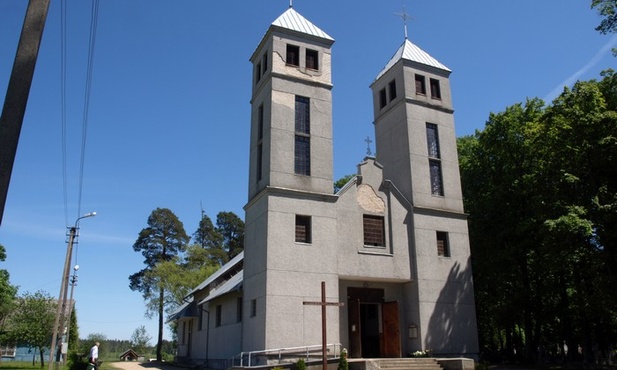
(91, 47)
(63, 104)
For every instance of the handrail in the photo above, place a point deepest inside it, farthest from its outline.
(253, 357)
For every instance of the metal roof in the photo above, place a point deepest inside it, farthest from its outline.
(235, 283)
(226, 267)
(292, 20)
(411, 52)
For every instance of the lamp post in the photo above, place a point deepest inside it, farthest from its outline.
(71, 304)
(61, 310)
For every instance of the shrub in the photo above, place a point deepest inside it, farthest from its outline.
(342, 362)
(300, 365)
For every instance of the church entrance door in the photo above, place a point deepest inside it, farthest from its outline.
(373, 324)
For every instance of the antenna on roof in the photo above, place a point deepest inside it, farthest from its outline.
(291, 3)
(405, 17)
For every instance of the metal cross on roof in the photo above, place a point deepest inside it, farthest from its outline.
(405, 16)
(368, 142)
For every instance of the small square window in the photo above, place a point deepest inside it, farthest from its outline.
(382, 98)
(420, 85)
(253, 307)
(293, 55)
(435, 89)
(311, 59)
(443, 248)
(374, 231)
(303, 229)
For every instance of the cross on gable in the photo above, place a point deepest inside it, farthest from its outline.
(323, 304)
(368, 142)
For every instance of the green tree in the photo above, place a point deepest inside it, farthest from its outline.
(539, 185)
(7, 292)
(140, 340)
(161, 241)
(182, 274)
(73, 331)
(338, 185)
(211, 240)
(31, 323)
(231, 227)
(608, 10)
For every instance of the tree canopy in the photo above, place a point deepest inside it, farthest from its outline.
(7, 291)
(161, 241)
(540, 187)
(32, 322)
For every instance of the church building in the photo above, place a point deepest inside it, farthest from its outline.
(391, 246)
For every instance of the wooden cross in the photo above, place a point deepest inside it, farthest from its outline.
(323, 304)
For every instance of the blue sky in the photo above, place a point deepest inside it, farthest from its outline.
(168, 115)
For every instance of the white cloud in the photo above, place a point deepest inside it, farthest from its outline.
(612, 42)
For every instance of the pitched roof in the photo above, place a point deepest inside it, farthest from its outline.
(235, 283)
(292, 20)
(411, 52)
(226, 267)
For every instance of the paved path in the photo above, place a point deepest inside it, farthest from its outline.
(136, 365)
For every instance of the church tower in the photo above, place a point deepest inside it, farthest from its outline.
(416, 144)
(290, 178)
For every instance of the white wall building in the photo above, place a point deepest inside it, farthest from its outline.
(392, 245)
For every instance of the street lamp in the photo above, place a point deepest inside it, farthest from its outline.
(61, 310)
(71, 304)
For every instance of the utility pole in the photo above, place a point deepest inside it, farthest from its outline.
(18, 90)
(64, 287)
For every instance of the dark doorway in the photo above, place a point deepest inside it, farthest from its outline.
(369, 324)
(373, 324)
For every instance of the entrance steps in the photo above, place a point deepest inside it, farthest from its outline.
(407, 364)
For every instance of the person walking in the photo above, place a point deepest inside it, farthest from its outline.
(94, 354)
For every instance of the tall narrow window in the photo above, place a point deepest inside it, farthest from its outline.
(382, 98)
(432, 140)
(200, 313)
(293, 55)
(257, 73)
(443, 249)
(311, 59)
(392, 88)
(420, 85)
(374, 231)
(260, 135)
(303, 229)
(302, 151)
(239, 309)
(183, 332)
(435, 89)
(253, 307)
(219, 315)
(264, 62)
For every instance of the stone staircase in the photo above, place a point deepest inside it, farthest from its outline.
(408, 364)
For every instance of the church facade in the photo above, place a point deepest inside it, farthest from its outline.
(392, 245)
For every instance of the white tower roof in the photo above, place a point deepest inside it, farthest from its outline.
(294, 21)
(411, 52)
